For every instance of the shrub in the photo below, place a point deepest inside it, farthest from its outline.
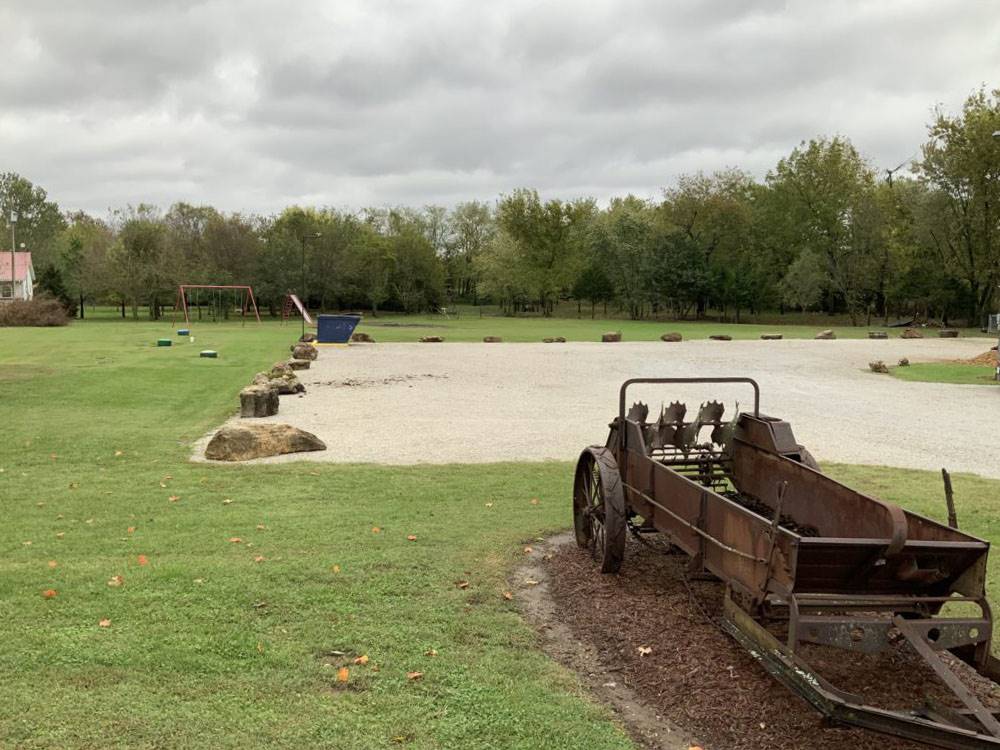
(40, 311)
(878, 366)
(904, 362)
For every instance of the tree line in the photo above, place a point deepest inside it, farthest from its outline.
(825, 230)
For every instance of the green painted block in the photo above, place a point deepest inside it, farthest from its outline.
(164, 342)
(209, 353)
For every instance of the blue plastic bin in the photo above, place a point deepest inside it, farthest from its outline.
(336, 329)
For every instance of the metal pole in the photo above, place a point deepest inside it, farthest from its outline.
(13, 249)
(302, 285)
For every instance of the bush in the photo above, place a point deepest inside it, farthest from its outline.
(878, 366)
(40, 311)
(904, 362)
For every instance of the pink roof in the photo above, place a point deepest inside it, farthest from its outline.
(22, 262)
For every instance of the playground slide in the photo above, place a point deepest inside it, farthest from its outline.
(302, 309)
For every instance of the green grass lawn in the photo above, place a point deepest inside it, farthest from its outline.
(209, 647)
(947, 372)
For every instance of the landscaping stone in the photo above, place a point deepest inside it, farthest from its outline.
(299, 364)
(611, 336)
(281, 378)
(492, 339)
(911, 333)
(258, 401)
(878, 335)
(904, 362)
(771, 336)
(304, 351)
(827, 335)
(720, 337)
(246, 442)
(554, 340)
(947, 333)
(878, 366)
(359, 337)
(671, 337)
(431, 339)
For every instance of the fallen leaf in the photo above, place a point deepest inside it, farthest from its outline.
(163, 485)
(27, 543)
(116, 581)
(261, 527)
(508, 595)
(53, 563)
(335, 568)
(535, 501)
(174, 498)
(227, 501)
(343, 674)
(105, 623)
(142, 560)
(49, 593)
(89, 520)
(199, 580)
(363, 659)
(53, 456)
(695, 747)
(40, 503)
(119, 453)
(414, 675)
(644, 650)
(430, 652)
(462, 584)
(259, 558)
(489, 505)
(235, 540)
(314, 473)
(375, 529)
(530, 582)
(527, 550)
(410, 538)
(131, 529)
(74, 485)
(260, 647)
(60, 535)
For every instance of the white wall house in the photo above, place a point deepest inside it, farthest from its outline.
(23, 286)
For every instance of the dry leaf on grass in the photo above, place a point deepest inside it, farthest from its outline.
(527, 550)
(508, 595)
(53, 563)
(375, 529)
(335, 568)
(462, 584)
(235, 540)
(530, 582)
(261, 527)
(259, 558)
(535, 501)
(411, 538)
(60, 535)
(142, 560)
(644, 650)
(430, 652)
(363, 659)
(174, 498)
(131, 529)
(414, 675)
(105, 623)
(49, 593)
(343, 674)
(116, 581)
(119, 453)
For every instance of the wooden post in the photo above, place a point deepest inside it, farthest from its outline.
(949, 498)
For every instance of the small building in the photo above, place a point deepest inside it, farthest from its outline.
(23, 286)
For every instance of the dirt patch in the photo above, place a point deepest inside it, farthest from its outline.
(986, 358)
(372, 382)
(694, 678)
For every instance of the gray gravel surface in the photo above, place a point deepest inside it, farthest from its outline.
(474, 403)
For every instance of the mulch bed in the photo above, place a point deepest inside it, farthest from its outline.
(700, 678)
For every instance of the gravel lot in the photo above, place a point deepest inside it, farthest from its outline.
(474, 403)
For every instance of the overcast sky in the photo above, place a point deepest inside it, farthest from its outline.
(255, 105)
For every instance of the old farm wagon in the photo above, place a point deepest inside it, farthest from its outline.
(804, 559)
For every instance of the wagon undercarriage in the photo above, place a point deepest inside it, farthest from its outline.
(805, 559)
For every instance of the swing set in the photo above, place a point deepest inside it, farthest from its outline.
(216, 294)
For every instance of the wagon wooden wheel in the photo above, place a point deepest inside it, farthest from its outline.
(599, 508)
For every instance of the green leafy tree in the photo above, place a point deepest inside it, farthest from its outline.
(39, 221)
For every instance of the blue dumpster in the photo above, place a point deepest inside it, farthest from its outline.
(336, 329)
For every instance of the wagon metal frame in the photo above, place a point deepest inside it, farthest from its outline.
(750, 507)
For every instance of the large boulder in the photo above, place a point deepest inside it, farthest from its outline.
(554, 340)
(611, 336)
(304, 351)
(360, 337)
(258, 401)
(492, 339)
(249, 441)
(771, 336)
(827, 335)
(672, 337)
(911, 333)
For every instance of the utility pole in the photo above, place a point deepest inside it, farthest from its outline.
(13, 249)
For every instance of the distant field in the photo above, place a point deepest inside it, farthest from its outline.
(468, 325)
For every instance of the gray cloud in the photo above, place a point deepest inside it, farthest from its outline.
(254, 105)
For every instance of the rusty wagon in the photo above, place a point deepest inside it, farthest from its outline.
(804, 558)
